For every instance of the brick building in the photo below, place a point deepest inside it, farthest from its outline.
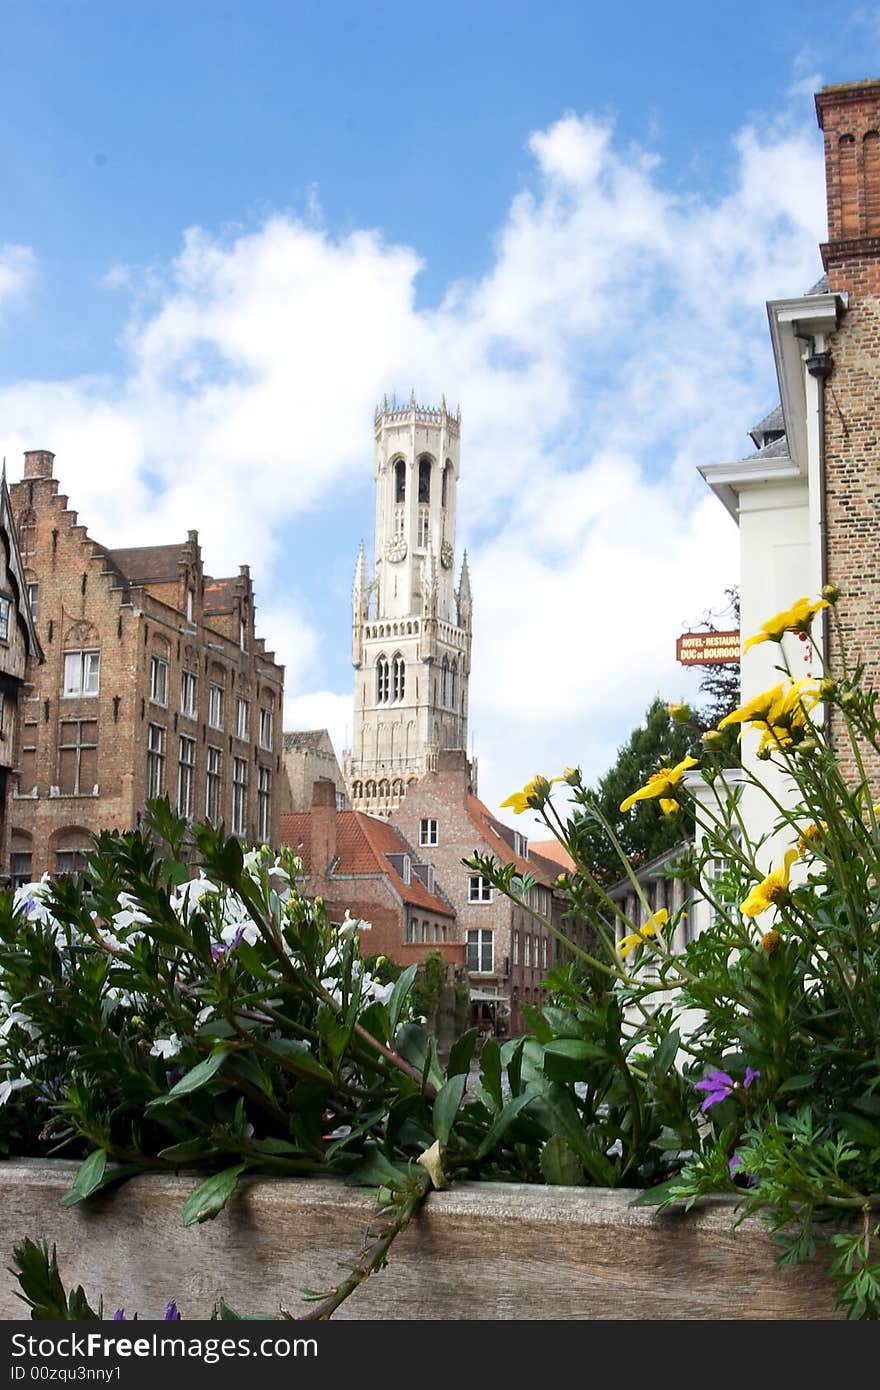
(154, 683)
(806, 500)
(20, 653)
(508, 952)
(361, 864)
(307, 757)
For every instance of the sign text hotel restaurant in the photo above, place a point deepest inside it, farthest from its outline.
(707, 648)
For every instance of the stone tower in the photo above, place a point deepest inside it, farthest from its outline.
(411, 627)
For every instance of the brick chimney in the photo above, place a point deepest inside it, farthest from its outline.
(849, 116)
(38, 463)
(323, 827)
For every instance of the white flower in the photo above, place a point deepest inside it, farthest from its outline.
(374, 991)
(204, 1014)
(350, 924)
(166, 1047)
(245, 931)
(7, 1087)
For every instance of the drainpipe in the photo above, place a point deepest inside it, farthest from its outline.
(820, 366)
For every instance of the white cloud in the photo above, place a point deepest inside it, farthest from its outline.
(618, 339)
(18, 266)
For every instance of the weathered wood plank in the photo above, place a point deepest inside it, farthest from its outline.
(480, 1251)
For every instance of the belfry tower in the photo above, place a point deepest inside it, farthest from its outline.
(411, 628)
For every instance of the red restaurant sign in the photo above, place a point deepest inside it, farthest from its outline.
(708, 648)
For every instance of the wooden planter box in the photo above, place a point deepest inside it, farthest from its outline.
(479, 1251)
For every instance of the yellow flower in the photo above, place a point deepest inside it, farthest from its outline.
(532, 796)
(781, 713)
(682, 714)
(770, 889)
(771, 941)
(758, 709)
(655, 923)
(808, 837)
(795, 619)
(661, 784)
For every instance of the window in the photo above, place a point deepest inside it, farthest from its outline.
(399, 678)
(242, 718)
(190, 604)
(186, 761)
(382, 680)
(428, 832)
(158, 681)
(81, 672)
(5, 610)
(264, 790)
(444, 486)
(215, 706)
(424, 527)
(78, 757)
(425, 480)
(70, 861)
(400, 481)
(212, 786)
(527, 950)
(479, 889)
(399, 521)
(242, 634)
(544, 952)
(520, 845)
(33, 598)
(155, 760)
(265, 728)
(239, 796)
(480, 952)
(20, 867)
(444, 683)
(516, 948)
(188, 705)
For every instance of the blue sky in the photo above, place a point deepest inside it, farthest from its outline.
(225, 230)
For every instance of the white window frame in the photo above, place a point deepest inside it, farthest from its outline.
(5, 615)
(265, 728)
(33, 591)
(264, 796)
(239, 796)
(213, 783)
(479, 889)
(242, 718)
(516, 948)
(186, 766)
(527, 951)
(155, 760)
(82, 673)
(478, 939)
(429, 833)
(189, 694)
(215, 705)
(159, 681)
(543, 953)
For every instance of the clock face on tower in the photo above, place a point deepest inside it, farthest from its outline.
(446, 555)
(395, 548)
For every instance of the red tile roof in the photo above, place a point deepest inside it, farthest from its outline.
(552, 849)
(543, 869)
(362, 845)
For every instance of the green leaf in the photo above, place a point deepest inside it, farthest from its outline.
(658, 1196)
(664, 1057)
(512, 1059)
(198, 1077)
(446, 1106)
(402, 987)
(490, 1070)
(502, 1123)
(377, 1171)
(211, 1196)
(797, 1083)
(186, 1151)
(88, 1179)
(568, 1059)
(281, 1147)
(560, 1164)
(461, 1053)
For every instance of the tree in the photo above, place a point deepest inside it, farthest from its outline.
(720, 684)
(644, 832)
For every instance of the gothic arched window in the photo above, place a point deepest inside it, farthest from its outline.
(398, 686)
(444, 486)
(444, 684)
(382, 680)
(425, 480)
(453, 684)
(400, 481)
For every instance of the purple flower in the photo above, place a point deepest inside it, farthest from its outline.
(734, 1163)
(750, 1077)
(172, 1312)
(218, 951)
(119, 1315)
(717, 1085)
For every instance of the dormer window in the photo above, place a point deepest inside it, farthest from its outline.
(520, 845)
